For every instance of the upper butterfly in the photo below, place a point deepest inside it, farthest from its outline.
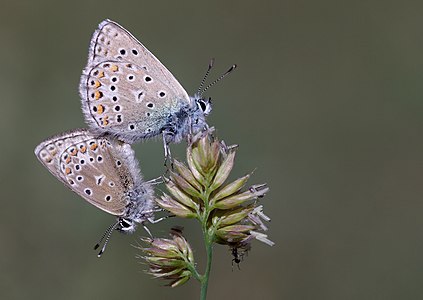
(128, 93)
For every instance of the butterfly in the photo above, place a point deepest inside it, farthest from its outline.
(128, 93)
(104, 172)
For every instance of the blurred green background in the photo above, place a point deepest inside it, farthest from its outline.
(326, 105)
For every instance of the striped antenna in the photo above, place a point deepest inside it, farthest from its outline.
(205, 76)
(233, 67)
(106, 234)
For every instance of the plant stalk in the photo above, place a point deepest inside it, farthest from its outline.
(208, 243)
(205, 278)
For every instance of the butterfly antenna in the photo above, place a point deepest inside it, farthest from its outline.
(106, 234)
(205, 76)
(233, 67)
(102, 237)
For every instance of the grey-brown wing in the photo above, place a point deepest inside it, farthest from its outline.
(94, 168)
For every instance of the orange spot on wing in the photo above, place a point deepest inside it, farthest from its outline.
(114, 68)
(68, 160)
(105, 121)
(101, 74)
(100, 109)
(93, 147)
(98, 95)
(83, 149)
(68, 171)
(97, 84)
(74, 152)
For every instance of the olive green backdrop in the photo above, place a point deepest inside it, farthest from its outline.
(326, 105)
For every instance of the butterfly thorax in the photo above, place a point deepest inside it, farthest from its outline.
(190, 119)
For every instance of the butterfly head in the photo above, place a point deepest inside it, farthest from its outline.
(126, 225)
(204, 105)
(201, 108)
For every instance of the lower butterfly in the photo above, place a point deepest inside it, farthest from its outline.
(104, 172)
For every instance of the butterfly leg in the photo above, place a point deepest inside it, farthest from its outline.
(156, 181)
(168, 155)
(147, 230)
(190, 132)
(154, 221)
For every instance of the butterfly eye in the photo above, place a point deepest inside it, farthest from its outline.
(203, 105)
(125, 224)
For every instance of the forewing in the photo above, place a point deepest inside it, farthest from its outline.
(113, 42)
(115, 53)
(49, 151)
(91, 167)
(124, 98)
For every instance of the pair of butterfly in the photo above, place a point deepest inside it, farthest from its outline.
(127, 95)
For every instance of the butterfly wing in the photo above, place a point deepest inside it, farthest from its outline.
(99, 170)
(125, 89)
(113, 42)
(49, 151)
(126, 100)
